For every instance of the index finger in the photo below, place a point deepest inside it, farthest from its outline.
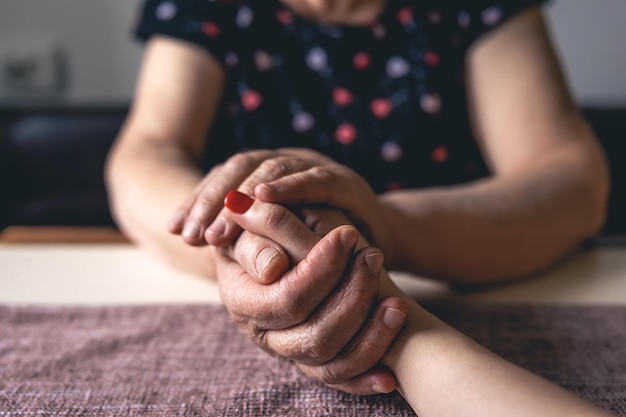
(223, 230)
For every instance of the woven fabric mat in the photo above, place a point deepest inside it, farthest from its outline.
(192, 361)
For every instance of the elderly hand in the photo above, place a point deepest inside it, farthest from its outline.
(201, 218)
(323, 313)
(339, 187)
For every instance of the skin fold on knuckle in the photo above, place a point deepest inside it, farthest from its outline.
(240, 311)
(346, 385)
(275, 217)
(208, 204)
(332, 373)
(294, 347)
(322, 373)
(361, 290)
(288, 188)
(334, 335)
(370, 349)
(292, 310)
(308, 346)
(245, 310)
(306, 290)
(323, 174)
(260, 337)
(245, 162)
(274, 168)
(327, 329)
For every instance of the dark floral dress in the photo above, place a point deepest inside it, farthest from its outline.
(387, 99)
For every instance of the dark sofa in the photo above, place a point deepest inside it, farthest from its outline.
(51, 163)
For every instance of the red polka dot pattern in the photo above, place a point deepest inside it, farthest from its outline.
(387, 98)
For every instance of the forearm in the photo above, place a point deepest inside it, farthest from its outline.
(441, 372)
(146, 183)
(501, 227)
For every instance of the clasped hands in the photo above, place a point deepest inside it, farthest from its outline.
(301, 282)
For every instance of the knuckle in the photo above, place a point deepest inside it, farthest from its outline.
(371, 349)
(304, 349)
(291, 311)
(273, 311)
(245, 313)
(319, 353)
(201, 212)
(249, 325)
(331, 374)
(215, 169)
(366, 294)
(242, 160)
(209, 196)
(276, 216)
(250, 160)
(322, 173)
(274, 168)
(259, 337)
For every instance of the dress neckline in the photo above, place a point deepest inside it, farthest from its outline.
(385, 11)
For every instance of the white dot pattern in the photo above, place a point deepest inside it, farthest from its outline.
(390, 93)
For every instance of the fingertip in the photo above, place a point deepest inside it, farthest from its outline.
(384, 383)
(197, 241)
(348, 237)
(271, 265)
(382, 379)
(193, 234)
(376, 381)
(374, 262)
(394, 318)
(394, 312)
(175, 224)
(216, 233)
(394, 302)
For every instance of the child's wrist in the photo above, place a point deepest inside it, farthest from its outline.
(418, 321)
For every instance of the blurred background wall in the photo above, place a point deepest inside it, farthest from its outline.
(98, 61)
(100, 57)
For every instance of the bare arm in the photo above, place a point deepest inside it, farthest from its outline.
(547, 194)
(153, 166)
(550, 183)
(441, 372)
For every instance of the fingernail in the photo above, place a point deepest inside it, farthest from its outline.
(191, 230)
(348, 238)
(378, 389)
(374, 262)
(218, 227)
(175, 220)
(394, 318)
(238, 202)
(264, 259)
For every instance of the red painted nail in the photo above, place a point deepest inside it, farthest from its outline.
(238, 202)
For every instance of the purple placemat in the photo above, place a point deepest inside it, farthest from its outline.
(192, 361)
